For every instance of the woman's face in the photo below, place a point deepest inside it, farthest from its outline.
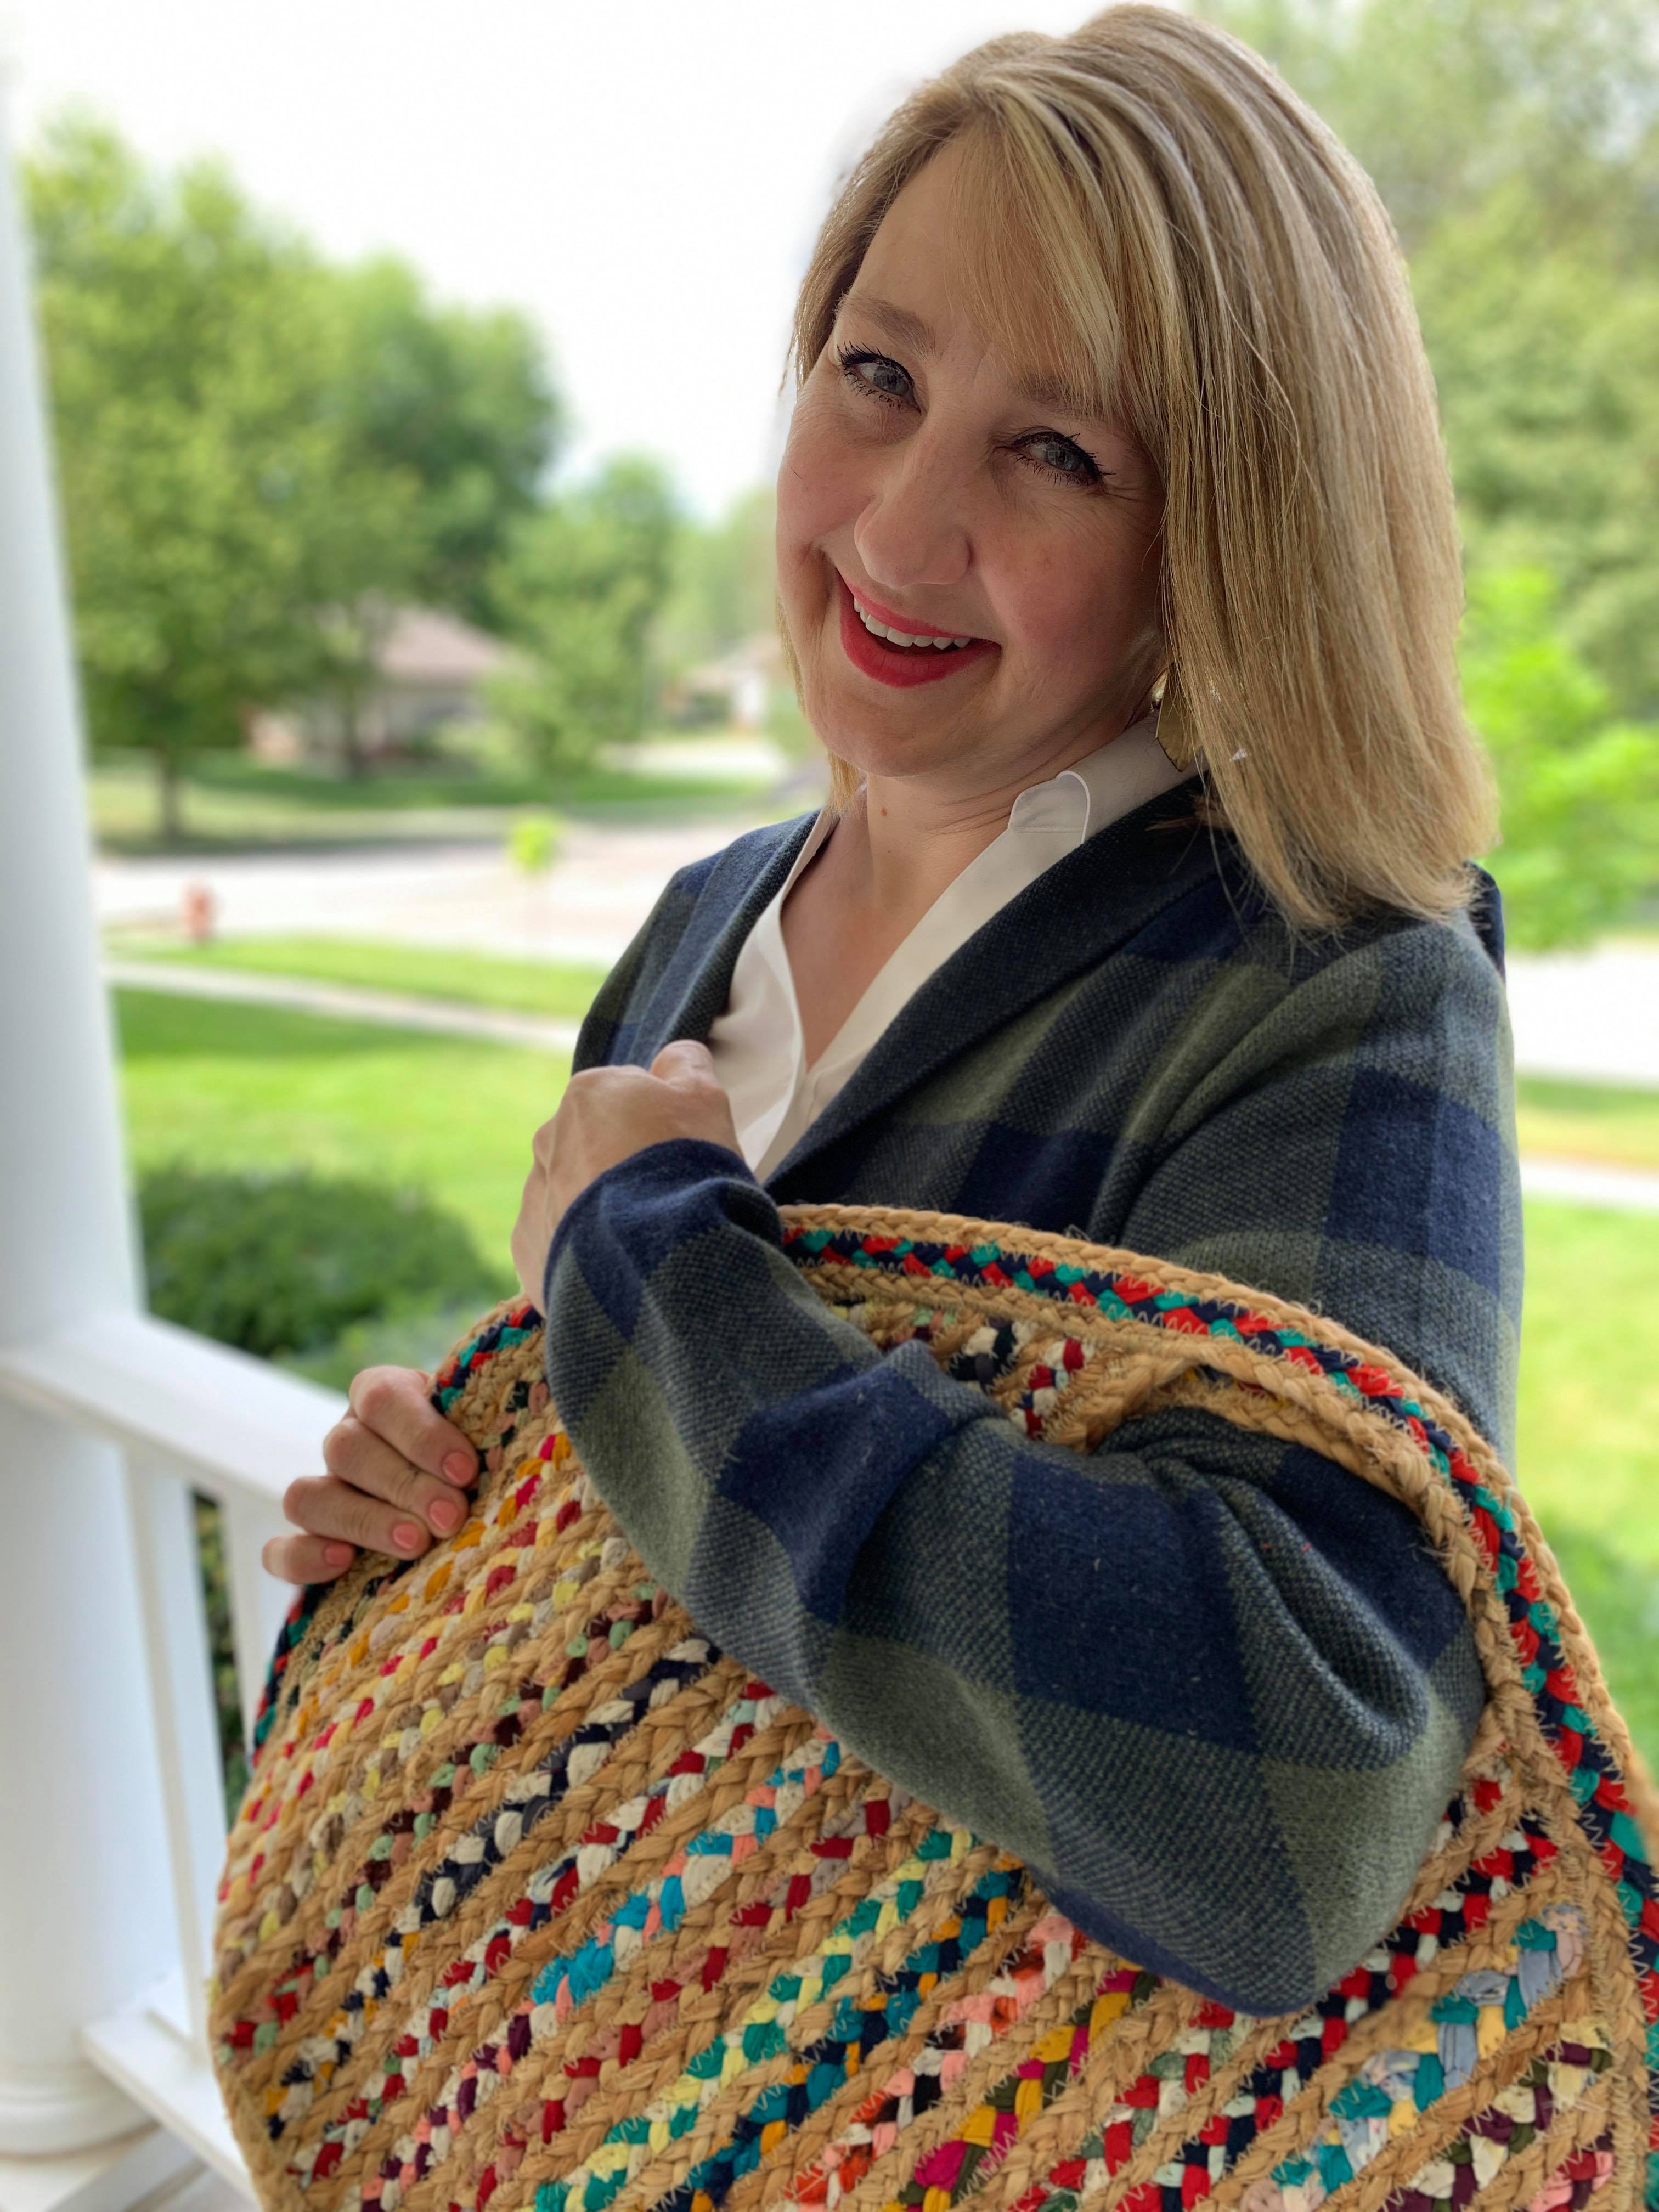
(922, 484)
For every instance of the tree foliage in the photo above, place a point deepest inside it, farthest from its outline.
(460, 400)
(1580, 789)
(192, 439)
(1517, 145)
(259, 455)
(1547, 362)
(724, 584)
(579, 590)
(1445, 101)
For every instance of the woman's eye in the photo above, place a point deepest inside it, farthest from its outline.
(1063, 458)
(875, 374)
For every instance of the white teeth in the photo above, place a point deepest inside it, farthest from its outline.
(902, 637)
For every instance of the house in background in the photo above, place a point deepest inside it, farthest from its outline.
(736, 690)
(428, 671)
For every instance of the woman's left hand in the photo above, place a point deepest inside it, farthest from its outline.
(605, 1114)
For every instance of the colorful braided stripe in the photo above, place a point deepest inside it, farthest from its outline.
(857, 2029)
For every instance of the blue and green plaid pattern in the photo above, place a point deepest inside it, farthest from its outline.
(1215, 1689)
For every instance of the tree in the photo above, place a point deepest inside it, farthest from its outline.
(1579, 791)
(194, 443)
(1517, 145)
(1442, 101)
(461, 402)
(1547, 363)
(579, 589)
(724, 585)
(259, 456)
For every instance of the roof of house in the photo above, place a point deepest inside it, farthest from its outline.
(424, 645)
(759, 655)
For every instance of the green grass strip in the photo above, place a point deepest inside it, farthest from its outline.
(472, 978)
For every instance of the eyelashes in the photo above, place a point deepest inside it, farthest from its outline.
(854, 361)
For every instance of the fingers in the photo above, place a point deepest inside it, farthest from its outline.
(685, 1061)
(388, 1506)
(328, 1508)
(393, 1404)
(306, 1558)
(390, 1493)
(397, 1476)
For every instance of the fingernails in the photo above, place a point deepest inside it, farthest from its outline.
(459, 1468)
(406, 1536)
(339, 1555)
(444, 1514)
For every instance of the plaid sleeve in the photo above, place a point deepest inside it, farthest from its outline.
(1214, 1689)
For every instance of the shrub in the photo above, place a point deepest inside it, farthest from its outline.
(1580, 791)
(280, 1264)
(533, 842)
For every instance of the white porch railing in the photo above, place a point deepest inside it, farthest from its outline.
(111, 1820)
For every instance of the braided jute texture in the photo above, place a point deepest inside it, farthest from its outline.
(537, 1901)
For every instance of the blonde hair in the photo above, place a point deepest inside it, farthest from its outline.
(1148, 212)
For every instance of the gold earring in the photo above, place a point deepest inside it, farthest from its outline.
(1174, 732)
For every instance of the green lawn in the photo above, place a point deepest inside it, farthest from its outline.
(477, 979)
(233, 801)
(1588, 1448)
(1602, 1121)
(225, 1086)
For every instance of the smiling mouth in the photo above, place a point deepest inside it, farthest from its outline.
(906, 641)
(891, 652)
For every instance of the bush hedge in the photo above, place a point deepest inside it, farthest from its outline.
(280, 1264)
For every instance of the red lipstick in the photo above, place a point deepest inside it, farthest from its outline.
(901, 664)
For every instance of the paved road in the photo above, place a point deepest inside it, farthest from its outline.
(1593, 1015)
(585, 908)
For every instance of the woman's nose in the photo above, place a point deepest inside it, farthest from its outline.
(914, 529)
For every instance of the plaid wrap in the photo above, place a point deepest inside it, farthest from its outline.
(1216, 1690)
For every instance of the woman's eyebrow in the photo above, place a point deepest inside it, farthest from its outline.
(907, 329)
(904, 328)
(1057, 392)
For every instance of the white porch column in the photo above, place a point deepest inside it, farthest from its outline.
(85, 1905)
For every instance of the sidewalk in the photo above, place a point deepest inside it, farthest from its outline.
(1588, 1016)
(1583, 1182)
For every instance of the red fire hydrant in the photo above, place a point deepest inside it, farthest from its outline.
(196, 912)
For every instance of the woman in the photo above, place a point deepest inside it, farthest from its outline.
(1109, 392)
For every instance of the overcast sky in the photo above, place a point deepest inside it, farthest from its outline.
(643, 176)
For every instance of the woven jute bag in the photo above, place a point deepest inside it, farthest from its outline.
(536, 1899)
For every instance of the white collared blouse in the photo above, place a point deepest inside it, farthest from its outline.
(757, 1042)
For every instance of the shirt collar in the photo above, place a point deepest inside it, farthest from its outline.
(1078, 803)
(1099, 789)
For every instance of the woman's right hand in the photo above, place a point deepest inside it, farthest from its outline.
(398, 1475)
